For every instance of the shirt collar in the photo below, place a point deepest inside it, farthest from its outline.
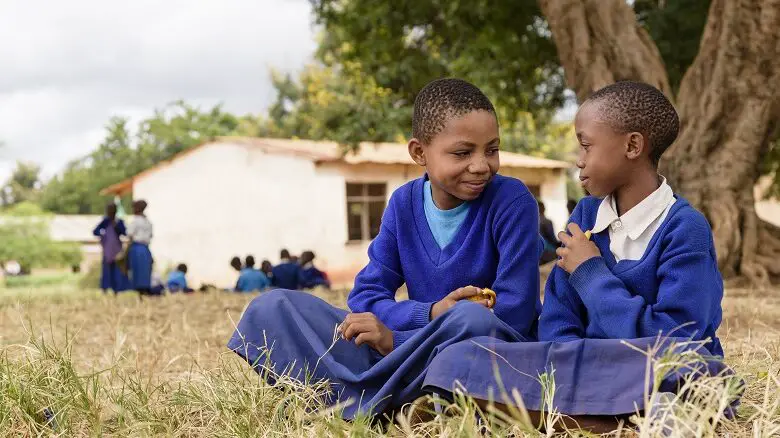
(639, 218)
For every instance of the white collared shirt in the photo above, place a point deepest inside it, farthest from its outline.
(140, 230)
(631, 233)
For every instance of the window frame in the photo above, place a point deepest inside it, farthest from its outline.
(365, 200)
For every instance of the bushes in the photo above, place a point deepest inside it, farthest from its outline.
(26, 240)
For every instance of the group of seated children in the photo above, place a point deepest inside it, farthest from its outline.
(291, 273)
(636, 262)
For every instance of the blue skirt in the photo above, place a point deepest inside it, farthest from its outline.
(113, 278)
(139, 263)
(592, 376)
(293, 333)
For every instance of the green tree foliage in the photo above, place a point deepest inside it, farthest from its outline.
(338, 104)
(555, 140)
(124, 153)
(24, 184)
(24, 231)
(502, 46)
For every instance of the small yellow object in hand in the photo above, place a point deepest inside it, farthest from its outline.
(587, 234)
(487, 294)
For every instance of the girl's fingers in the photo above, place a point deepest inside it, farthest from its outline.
(575, 230)
(466, 292)
(564, 237)
(365, 338)
(355, 329)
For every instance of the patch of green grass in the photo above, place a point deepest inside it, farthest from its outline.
(60, 279)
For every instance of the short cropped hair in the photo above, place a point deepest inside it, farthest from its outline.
(629, 106)
(442, 100)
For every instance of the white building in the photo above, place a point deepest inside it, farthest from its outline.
(238, 196)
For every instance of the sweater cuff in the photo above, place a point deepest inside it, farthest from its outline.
(421, 314)
(584, 277)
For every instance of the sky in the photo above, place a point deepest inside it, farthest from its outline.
(67, 67)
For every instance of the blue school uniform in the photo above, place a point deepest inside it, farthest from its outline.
(139, 263)
(287, 275)
(496, 246)
(111, 276)
(177, 282)
(312, 277)
(251, 280)
(587, 314)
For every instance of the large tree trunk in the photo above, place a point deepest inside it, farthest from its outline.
(728, 102)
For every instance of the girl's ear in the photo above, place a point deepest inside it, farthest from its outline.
(417, 151)
(635, 145)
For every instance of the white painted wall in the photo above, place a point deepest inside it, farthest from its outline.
(225, 199)
(204, 214)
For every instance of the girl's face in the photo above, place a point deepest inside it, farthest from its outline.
(461, 159)
(602, 158)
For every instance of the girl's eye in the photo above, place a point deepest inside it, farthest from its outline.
(492, 151)
(461, 154)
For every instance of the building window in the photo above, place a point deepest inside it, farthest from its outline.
(365, 205)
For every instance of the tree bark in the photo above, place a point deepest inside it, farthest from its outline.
(599, 42)
(729, 102)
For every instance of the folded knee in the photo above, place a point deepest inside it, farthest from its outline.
(475, 319)
(272, 300)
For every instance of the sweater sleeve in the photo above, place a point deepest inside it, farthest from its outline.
(563, 315)
(516, 235)
(690, 289)
(377, 283)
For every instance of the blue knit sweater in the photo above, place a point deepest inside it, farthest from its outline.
(497, 246)
(674, 289)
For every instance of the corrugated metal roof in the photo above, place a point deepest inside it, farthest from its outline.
(328, 151)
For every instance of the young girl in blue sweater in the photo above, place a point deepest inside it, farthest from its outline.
(637, 262)
(446, 236)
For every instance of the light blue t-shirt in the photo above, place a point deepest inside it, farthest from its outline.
(443, 223)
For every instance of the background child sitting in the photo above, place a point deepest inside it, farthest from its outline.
(177, 280)
(311, 277)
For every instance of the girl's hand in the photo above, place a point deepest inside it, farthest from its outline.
(576, 249)
(365, 328)
(453, 297)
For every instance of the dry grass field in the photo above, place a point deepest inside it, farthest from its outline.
(75, 363)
